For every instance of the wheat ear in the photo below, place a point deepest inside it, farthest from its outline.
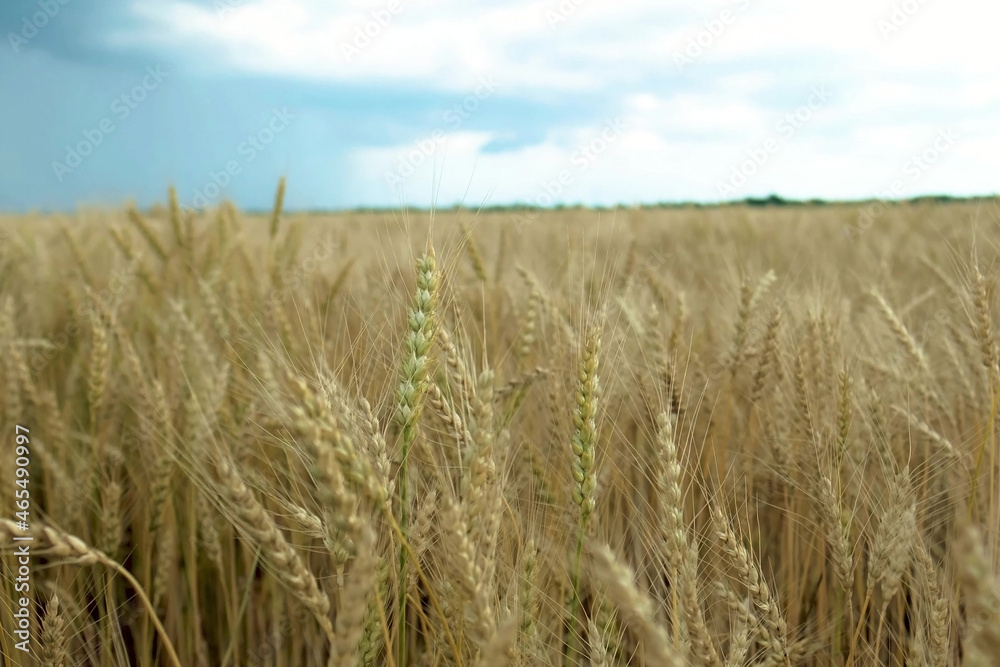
(902, 334)
(57, 544)
(984, 326)
(598, 649)
(353, 603)
(279, 203)
(584, 449)
(254, 521)
(938, 617)
(634, 606)
(474, 255)
(422, 326)
(982, 599)
(774, 630)
(142, 225)
(54, 649)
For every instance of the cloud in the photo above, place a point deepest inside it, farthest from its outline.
(593, 43)
(703, 87)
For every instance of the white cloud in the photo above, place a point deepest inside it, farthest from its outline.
(641, 165)
(892, 86)
(446, 42)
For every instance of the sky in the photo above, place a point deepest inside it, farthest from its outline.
(387, 103)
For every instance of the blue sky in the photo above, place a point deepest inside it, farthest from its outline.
(374, 103)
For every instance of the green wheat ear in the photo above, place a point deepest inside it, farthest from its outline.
(422, 326)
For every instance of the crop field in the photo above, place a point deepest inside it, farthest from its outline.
(730, 435)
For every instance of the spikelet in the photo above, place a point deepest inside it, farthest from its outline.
(165, 560)
(473, 590)
(463, 388)
(935, 610)
(634, 607)
(214, 308)
(598, 649)
(111, 518)
(891, 549)
(584, 441)
(310, 418)
(774, 629)
(680, 324)
(13, 408)
(54, 543)
(340, 279)
(377, 447)
(100, 361)
(767, 357)
(372, 641)
(422, 326)
(258, 526)
(744, 621)
(750, 299)
(702, 647)
(54, 644)
(982, 641)
(668, 486)
(984, 326)
(902, 334)
(474, 255)
(838, 535)
(353, 603)
(451, 418)
(528, 333)
(208, 532)
(482, 498)
(845, 417)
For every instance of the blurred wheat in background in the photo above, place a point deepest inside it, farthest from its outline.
(659, 436)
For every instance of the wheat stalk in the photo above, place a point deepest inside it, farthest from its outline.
(56, 544)
(422, 327)
(774, 631)
(258, 526)
(634, 606)
(583, 445)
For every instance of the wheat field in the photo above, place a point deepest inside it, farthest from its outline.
(729, 435)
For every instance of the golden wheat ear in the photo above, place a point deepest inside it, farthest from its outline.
(57, 544)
